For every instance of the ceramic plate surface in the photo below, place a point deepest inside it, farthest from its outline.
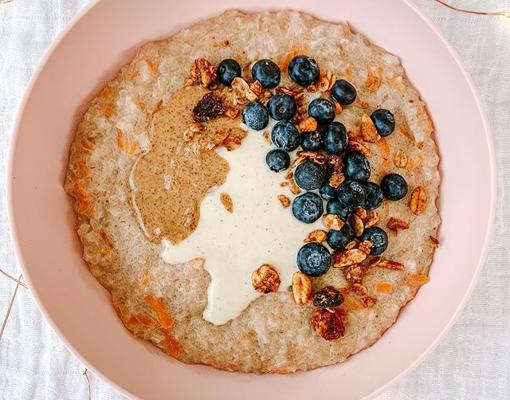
(103, 38)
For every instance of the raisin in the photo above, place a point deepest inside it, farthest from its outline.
(210, 106)
(328, 297)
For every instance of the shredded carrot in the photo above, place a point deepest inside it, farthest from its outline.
(417, 280)
(140, 319)
(172, 345)
(106, 93)
(384, 287)
(105, 237)
(87, 144)
(108, 110)
(82, 204)
(133, 148)
(122, 139)
(158, 306)
(85, 171)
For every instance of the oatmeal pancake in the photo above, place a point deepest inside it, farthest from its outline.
(148, 163)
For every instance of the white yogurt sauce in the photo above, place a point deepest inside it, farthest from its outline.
(259, 231)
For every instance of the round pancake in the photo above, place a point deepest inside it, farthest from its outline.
(164, 303)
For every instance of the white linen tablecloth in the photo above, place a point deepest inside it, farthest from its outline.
(473, 362)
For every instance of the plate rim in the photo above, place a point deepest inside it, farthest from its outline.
(452, 320)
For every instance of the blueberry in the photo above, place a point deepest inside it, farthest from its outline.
(255, 115)
(378, 237)
(313, 259)
(343, 92)
(286, 136)
(335, 138)
(335, 207)
(322, 110)
(281, 106)
(327, 192)
(307, 207)
(351, 193)
(356, 166)
(394, 186)
(303, 70)
(339, 239)
(311, 141)
(228, 70)
(309, 175)
(374, 196)
(267, 73)
(277, 160)
(384, 121)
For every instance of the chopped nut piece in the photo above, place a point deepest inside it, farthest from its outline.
(208, 107)
(256, 88)
(348, 257)
(266, 95)
(232, 143)
(232, 112)
(418, 202)
(266, 137)
(338, 107)
(373, 82)
(202, 73)
(357, 225)
(366, 246)
(284, 200)
(400, 160)
(309, 124)
(357, 146)
(384, 287)
(265, 279)
(301, 288)
(336, 179)
(361, 212)
(226, 200)
(417, 280)
(318, 236)
(388, 264)
(332, 221)
(395, 224)
(294, 188)
(368, 130)
(352, 244)
(324, 82)
(289, 175)
(372, 219)
(434, 241)
(328, 324)
(369, 301)
(242, 92)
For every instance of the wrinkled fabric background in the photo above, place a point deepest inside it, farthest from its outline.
(472, 362)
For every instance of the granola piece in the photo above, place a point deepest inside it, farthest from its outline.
(373, 82)
(202, 73)
(265, 279)
(332, 221)
(372, 219)
(400, 160)
(309, 124)
(395, 224)
(357, 146)
(361, 212)
(366, 246)
(328, 323)
(368, 130)
(418, 202)
(256, 87)
(325, 82)
(360, 289)
(348, 257)
(294, 188)
(354, 273)
(227, 202)
(301, 288)
(357, 225)
(389, 264)
(210, 106)
(232, 112)
(352, 244)
(369, 301)
(284, 200)
(196, 127)
(336, 179)
(328, 297)
(318, 236)
(242, 92)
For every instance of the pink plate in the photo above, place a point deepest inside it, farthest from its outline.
(104, 37)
